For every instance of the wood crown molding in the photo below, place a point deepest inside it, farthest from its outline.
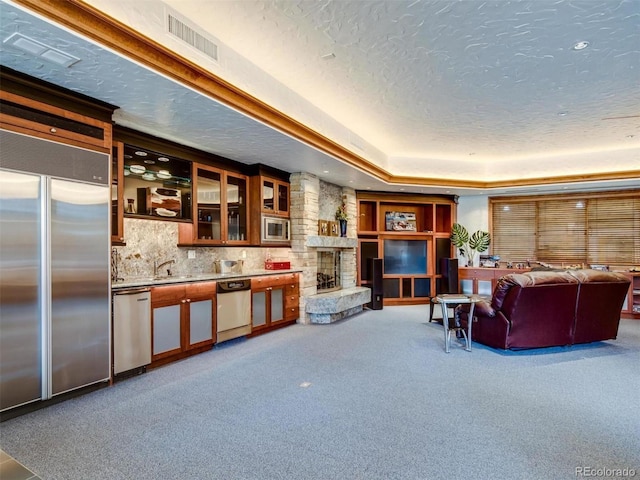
(105, 30)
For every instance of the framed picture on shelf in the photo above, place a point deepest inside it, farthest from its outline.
(400, 221)
(323, 227)
(334, 228)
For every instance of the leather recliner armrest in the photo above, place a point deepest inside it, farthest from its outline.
(482, 309)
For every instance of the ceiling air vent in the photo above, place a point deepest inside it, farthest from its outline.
(188, 34)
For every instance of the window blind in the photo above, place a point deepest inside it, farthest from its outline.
(598, 228)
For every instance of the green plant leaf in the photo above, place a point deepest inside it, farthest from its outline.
(459, 235)
(480, 241)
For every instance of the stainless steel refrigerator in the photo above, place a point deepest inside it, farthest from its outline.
(54, 269)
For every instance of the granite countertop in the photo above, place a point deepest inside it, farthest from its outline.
(150, 281)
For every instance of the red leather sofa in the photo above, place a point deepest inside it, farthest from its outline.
(549, 308)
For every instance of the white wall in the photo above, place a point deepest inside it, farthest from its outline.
(473, 212)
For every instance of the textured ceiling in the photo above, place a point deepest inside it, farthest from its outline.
(458, 89)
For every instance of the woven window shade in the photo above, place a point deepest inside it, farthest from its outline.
(613, 227)
(514, 231)
(599, 228)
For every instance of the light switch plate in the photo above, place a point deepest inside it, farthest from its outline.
(191, 254)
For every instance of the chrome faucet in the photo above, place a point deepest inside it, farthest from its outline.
(157, 266)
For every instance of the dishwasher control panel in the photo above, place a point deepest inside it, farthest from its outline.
(233, 286)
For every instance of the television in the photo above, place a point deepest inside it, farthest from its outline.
(405, 257)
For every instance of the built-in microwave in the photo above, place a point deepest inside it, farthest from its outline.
(275, 229)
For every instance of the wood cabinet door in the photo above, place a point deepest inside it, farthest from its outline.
(166, 320)
(200, 316)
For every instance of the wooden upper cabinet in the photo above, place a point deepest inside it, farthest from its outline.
(43, 110)
(117, 194)
(273, 196)
(220, 208)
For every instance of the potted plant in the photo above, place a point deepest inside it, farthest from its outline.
(342, 217)
(469, 246)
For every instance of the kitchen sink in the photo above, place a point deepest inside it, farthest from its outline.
(172, 277)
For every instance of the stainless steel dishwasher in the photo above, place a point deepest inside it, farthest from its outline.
(234, 309)
(131, 329)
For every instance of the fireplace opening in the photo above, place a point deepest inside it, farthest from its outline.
(328, 271)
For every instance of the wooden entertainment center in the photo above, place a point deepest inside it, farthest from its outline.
(410, 233)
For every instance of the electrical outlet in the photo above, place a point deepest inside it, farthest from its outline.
(191, 254)
(244, 254)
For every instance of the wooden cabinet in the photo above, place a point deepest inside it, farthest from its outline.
(272, 195)
(410, 233)
(117, 194)
(60, 124)
(275, 301)
(269, 202)
(156, 184)
(631, 307)
(220, 208)
(183, 320)
(482, 281)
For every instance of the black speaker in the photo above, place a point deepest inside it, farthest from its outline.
(374, 268)
(449, 271)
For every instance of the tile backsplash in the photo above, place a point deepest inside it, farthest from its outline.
(148, 241)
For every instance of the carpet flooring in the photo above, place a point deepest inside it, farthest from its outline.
(370, 397)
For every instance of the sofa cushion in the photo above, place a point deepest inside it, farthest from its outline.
(529, 279)
(587, 276)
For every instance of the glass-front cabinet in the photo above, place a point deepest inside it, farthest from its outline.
(156, 185)
(275, 196)
(221, 207)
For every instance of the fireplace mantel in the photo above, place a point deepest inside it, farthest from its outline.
(318, 241)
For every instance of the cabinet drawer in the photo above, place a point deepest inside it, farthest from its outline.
(292, 313)
(292, 289)
(167, 295)
(291, 300)
(274, 280)
(201, 289)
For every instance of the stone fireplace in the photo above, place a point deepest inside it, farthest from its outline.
(329, 266)
(329, 271)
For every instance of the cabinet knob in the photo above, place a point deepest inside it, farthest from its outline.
(53, 130)
(188, 300)
(183, 301)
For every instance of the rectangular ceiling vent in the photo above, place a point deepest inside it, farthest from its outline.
(190, 35)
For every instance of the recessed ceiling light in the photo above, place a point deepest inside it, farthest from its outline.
(141, 153)
(149, 161)
(580, 45)
(40, 50)
(163, 159)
